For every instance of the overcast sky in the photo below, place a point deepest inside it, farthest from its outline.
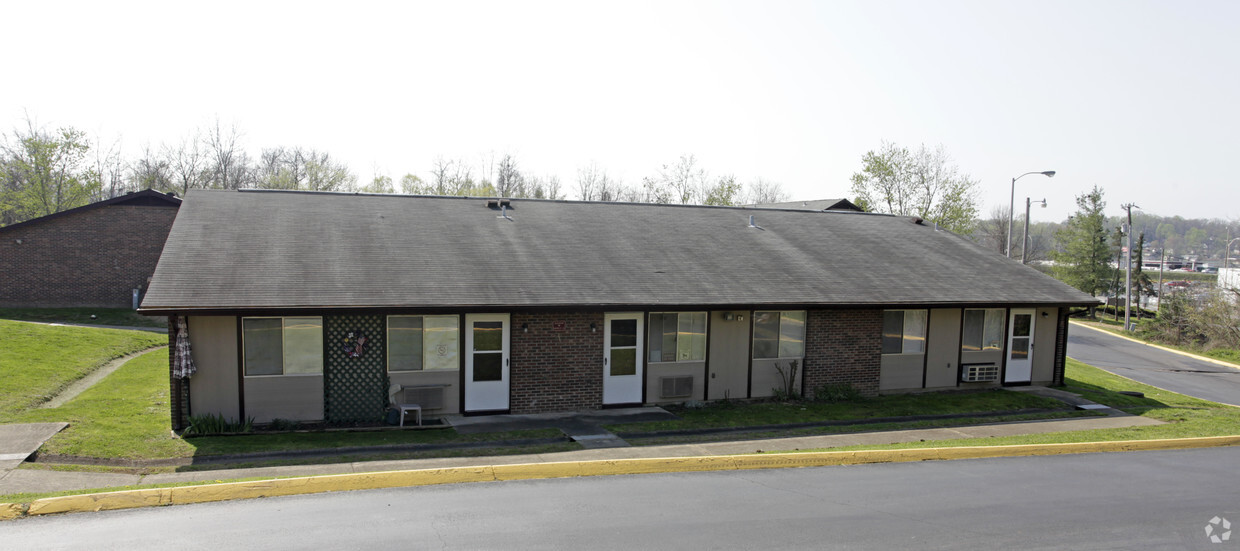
(1139, 98)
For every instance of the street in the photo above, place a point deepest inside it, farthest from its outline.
(1152, 366)
(1129, 500)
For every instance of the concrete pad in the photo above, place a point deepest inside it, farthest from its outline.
(39, 480)
(17, 442)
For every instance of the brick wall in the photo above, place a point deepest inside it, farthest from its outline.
(556, 370)
(92, 258)
(843, 346)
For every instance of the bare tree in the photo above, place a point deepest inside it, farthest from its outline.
(229, 166)
(509, 182)
(151, 171)
(991, 233)
(683, 180)
(306, 169)
(187, 165)
(762, 191)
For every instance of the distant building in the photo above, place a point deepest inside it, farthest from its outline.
(94, 256)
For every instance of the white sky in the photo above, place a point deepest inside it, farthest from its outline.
(1139, 98)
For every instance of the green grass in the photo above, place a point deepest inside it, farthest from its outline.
(38, 361)
(1185, 416)
(103, 316)
(733, 414)
(126, 416)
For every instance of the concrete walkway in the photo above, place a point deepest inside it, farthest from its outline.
(79, 386)
(17, 442)
(38, 480)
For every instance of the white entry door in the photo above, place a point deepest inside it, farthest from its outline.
(622, 358)
(1020, 347)
(486, 362)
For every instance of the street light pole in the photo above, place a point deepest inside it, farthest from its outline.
(1012, 205)
(1024, 243)
(1128, 270)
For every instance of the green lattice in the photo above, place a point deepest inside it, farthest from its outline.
(356, 389)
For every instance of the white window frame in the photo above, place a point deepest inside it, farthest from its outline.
(388, 334)
(779, 330)
(283, 348)
(650, 338)
(904, 331)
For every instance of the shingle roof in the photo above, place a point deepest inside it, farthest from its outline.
(272, 250)
(814, 204)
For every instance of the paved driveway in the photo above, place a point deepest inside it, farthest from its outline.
(1153, 366)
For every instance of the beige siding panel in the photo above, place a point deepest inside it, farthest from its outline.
(1044, 346)
(900, 372)
(766, 378)
(450, 377)
(290, 397)
(656, 371)
(729, 355)
(943, 347)
(213, 388)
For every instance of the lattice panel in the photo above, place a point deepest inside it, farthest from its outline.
(356, 389)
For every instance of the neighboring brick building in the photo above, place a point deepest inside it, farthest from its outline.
(91, 256)
(314, 306)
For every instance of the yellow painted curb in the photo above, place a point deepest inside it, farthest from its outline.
(453, 475)
(9, 511)
(1172, 350)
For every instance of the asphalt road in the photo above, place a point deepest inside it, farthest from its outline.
(1135, 500)
(1149, 365)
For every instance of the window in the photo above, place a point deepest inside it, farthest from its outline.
(282, 346)
(778, 335)
(423, 343)
(983, 329)
(904, 331)
(678, 337)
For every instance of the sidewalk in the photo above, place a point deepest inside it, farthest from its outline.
(38, 480)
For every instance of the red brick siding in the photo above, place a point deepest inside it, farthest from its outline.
(843, 346)
(556, 370)
(94, 258)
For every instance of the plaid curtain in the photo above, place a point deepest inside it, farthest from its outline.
(183, 359)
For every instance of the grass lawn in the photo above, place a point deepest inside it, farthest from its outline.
(37, 361)
(103, 316)
(125, 416)
(1185, 416)
(733, 414)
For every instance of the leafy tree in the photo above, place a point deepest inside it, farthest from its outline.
(922, 182)
(379, 184)
(42, 173)
(761, 191)
(726, 191)
(1083, 258)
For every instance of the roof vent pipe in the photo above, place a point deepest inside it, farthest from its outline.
(751, 224)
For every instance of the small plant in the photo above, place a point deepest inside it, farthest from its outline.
(836, 392)
(210, 423)
(789, 377)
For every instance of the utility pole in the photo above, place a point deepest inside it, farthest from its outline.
(1128, 268)
(1161, 266)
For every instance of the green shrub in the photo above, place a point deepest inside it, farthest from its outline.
(210, 423)
(836, 392)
